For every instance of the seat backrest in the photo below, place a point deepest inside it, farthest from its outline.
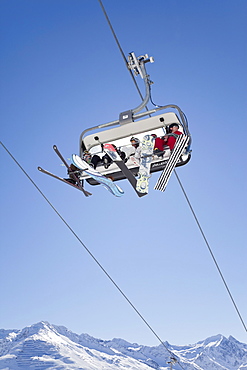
(130, 129)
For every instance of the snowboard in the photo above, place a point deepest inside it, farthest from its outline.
(147, 147)
(181, 143)
(113, 154)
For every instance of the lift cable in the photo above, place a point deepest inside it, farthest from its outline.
(121, 50)
(203, 235)
(89, 252)
(210, 250)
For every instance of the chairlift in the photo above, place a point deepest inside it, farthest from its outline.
(131, 123)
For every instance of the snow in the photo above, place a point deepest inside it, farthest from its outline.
(46, 346)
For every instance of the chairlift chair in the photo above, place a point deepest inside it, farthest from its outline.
(132, 124)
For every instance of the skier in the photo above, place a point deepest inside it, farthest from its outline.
(170, 139)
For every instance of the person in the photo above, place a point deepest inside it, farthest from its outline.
(158, 145)
(106, 159)
(86, 156)
(120, 152)
(136, 151)
(91, 160)
(170, 139)
(132, 151)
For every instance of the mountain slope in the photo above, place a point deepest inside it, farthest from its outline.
(44, 346)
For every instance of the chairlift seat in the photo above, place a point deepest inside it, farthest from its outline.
(120, 137)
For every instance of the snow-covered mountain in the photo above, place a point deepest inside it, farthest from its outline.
(44, 346)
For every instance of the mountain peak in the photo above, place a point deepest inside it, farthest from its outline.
(45, 346)
(214, 340)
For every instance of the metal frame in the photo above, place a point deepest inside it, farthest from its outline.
(133, 123)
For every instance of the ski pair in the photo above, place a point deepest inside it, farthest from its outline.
(82, 165)
(181, 143)
(77, 184)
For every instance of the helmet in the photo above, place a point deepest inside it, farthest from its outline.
(136, 141)
(172, 125)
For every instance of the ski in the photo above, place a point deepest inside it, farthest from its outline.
(113, 154)
(107, 183)
(181, 143)
(63, 180)
(77, 180)
(147, 147)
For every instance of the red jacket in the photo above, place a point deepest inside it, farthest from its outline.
(172, 139)
(159, 144)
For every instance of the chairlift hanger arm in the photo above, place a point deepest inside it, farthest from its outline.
(138, 66)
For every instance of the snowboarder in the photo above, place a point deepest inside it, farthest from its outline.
(170, 139)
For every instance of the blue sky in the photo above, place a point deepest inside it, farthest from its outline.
(61, 72)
